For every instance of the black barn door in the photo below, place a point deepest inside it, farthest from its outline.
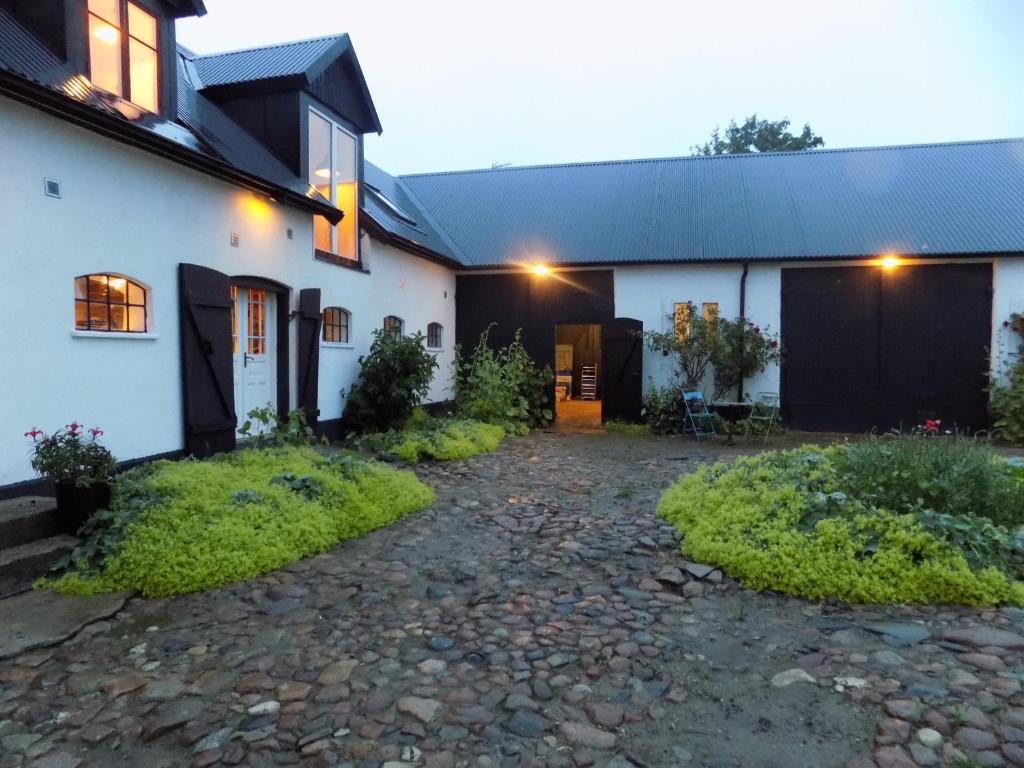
(865, 347)
(309, 353)
(622, 361)
(206, 360)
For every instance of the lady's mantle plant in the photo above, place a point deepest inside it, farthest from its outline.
(72, 454)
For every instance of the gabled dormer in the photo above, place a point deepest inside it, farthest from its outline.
(124, 47)
(308, 102)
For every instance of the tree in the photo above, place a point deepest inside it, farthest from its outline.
(758, 136)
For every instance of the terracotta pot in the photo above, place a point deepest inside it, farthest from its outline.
(77, 504)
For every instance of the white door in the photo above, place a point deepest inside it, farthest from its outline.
(254, 346)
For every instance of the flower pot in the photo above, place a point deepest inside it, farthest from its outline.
(77, 504)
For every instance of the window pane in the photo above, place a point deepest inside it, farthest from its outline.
(118, 288)
(344, 157)
(104, 55)
(345, 199)
(118, 317)
(108, 10)
(136, 295)
(320, 154)
(142, 62)
(98, 317)
(97, 287)
(81, 315)
(681, 320)
(141, 25)
(80, 289)
(321, 233)
(709, 310)
(137, 319)
(343, 336)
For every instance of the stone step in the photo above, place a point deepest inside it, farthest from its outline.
(28, 518)
(23, 564)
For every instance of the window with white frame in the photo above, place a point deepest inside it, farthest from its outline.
(394, 325)
(110, 303)
(333, 170)
(435, 335)
(337, 324)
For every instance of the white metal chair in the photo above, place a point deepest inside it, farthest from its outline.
(765, 408)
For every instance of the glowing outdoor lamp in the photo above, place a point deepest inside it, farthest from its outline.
(540, 269)
(890, 261)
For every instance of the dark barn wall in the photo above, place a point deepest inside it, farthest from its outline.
(534, 303)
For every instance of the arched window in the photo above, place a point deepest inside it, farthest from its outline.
(394, 325)
(337, 322)
(110, 303)
(435, 336)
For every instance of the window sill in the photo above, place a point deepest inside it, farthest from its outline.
(435, 350)
(114, 335)
(340, 261)
(336, 345)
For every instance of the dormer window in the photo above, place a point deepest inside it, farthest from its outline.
(333, 159)
(123, 51)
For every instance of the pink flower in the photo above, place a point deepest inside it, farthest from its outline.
(95, 432)
(34, 433)
(73, 427)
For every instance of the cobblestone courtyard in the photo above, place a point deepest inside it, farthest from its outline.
(537, 614)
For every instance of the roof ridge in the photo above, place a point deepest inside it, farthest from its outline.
(270, 47)
(748, 155)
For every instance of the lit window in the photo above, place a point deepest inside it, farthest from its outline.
(435, 334)
(682, 316)
(394, 325)
(123, 51)
(256, 322)
(333, 156)
(709, 311)
(336, 325)
(109, 303)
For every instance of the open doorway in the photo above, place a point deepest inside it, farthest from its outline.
(578, 371)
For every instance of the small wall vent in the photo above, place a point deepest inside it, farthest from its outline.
(51, 187)
(234, 240)
(291, 235)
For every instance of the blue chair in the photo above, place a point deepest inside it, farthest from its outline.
(699, 421)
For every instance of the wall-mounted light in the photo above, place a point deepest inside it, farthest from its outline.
(540, 269)
(889, 262)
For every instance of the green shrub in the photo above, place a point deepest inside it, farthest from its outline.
(185, 526)
(787, 521)
(503, 386)
(264, 428)
(1007, 403)
(394, 378)
(945, 475)
(663, 409)
(442, 439)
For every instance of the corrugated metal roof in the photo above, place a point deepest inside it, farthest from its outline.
(406, 218)
(919, 200)
(268, 63)
(201, 127)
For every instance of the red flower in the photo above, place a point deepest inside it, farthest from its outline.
(773, 343)
(95, 432)
(1006, 323)
(34, 433)
(73, 427)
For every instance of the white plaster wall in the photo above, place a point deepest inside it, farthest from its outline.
(648, 293)
(1007, 297)
(126, 211)
(398, 283)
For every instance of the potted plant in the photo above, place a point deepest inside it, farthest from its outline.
(78, 465)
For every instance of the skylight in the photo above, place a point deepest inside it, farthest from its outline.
(384, 200)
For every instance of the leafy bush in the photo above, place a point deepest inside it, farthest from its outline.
(264, 428)
(503, 386)
(188, 525)
(663, 409)
(1007, 402)
(394, 378)
(741, 350)
(793, 521)
(442, 439)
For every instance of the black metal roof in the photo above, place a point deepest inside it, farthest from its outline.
(918, 200)
(202, 136)
(182, 8)
(291, 66)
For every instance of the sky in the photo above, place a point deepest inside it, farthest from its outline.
(472, 83)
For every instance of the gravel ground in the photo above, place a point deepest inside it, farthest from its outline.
(537, 614)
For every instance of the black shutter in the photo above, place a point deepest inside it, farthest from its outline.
(309, 352)
(622, 360)
(207, 370)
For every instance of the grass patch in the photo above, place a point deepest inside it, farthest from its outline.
(185, 526)
(626, 428)
(441, 439)
(914, 521)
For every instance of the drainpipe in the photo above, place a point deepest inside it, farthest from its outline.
(743, 314)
